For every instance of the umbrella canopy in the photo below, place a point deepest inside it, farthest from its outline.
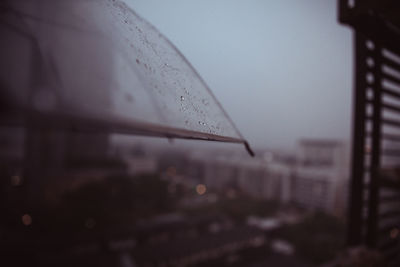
(97, 65)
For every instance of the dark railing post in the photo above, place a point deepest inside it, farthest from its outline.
(354, 234)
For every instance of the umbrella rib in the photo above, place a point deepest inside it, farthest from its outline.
(71, 122)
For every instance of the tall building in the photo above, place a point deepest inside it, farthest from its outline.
(321, 175)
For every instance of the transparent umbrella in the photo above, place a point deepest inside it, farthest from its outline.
(97, 66)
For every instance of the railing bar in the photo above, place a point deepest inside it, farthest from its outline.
(390, 199)
(389, 62)
(391, 107)
(391, 122)
(391, 93)
(389, 183)
(391, 137)
(390, 214)
(391, 78)
(391, 152)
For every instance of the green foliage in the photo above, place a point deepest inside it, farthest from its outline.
(240, 208)
(110, 205)
(317, 238)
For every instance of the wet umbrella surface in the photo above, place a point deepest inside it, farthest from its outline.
(98, 66)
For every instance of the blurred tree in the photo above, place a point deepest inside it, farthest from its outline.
(318, 238)
(103, 208)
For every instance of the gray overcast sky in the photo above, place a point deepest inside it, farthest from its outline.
(282, 69)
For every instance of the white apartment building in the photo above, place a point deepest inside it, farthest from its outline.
(256, 177)
(321, 175)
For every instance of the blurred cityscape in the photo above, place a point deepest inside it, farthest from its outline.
(97, 199)
(87, 88)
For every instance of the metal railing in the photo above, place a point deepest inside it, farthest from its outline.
(374, 210)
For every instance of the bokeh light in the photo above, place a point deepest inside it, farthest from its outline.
(201, 189)
(26, 219)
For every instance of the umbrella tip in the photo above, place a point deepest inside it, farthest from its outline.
(248, 148)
